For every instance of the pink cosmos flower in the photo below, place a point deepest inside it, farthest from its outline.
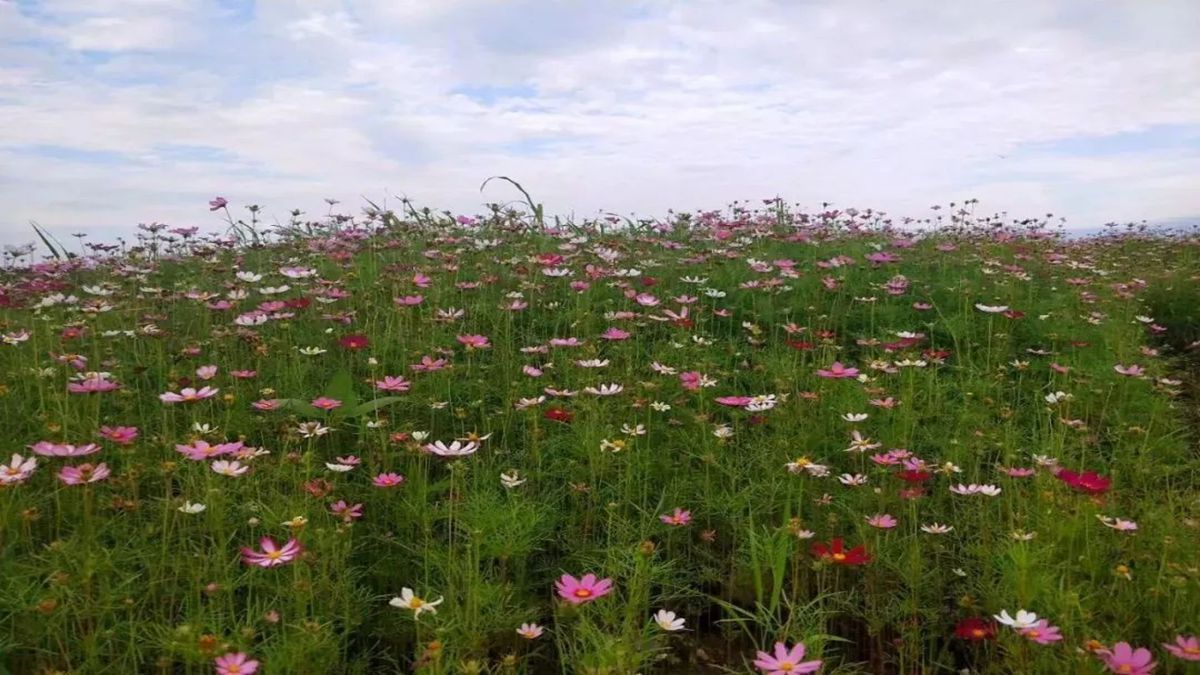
(390, 383)
(244, 374)
(226, 468)
(474, 341)
(235, 663)
(324, 403)
(882, 521)
(615, 334)
(188, 394)
(119, 435)
(734, 401)
(206, 372)
(690, 380)
(201, 450)
(786, 661)
(272, 555)
(838, 371)
(409, 300)
(266, 404)
(531, 371)
(580, 591)
(93, 385)
(48, 449)
(1042, 632)
(1186, 647)
(84, 473)
(428, 364)
(1018, 472)
(1124, 659)
(346, 512)
(421, 281)
(1132, 370)
(387, 480)
(677, 519)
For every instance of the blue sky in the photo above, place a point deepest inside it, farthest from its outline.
(115, 112)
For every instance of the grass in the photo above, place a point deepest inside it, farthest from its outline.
(980, 348)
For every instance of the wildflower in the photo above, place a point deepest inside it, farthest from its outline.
(84, 473)
(1118, 524)
(667, 621)
(677, 519)
(206, 372)
(312, 429)
(455, 449)
(1185, 647)
(936, 528)
(991, 309)
(838, 371)
(975, 629)
(882, 521)
(472, 342)
(346, 512)
(580, 591)
(324, 403)
(18, 470)
(511, 479)
(231, 469)
(836, 553)
(1132, 370)
(354, 342)
(1022, 620)
(785, 661)
(393, 384)
(119, 435)
(47, 449)
(1088, 481)
(530, 631)
(1042, 633)
(387, 480)
(409, 600)
(235, 663)
(1124, 659)
(188, 394)
(192, 509)
(272, 554)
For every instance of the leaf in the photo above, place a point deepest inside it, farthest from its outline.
(341, 388)
(301, 407)
(373, 405)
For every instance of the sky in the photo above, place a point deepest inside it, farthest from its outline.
(119, 112)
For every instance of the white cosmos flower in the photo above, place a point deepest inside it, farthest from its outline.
(409, 600)
(339, 468)
(455, 449)
(991, 309)
(667, 621)
(1022, 620)
(191, 508)
(936, 528)
(855, 417)
(511, 479)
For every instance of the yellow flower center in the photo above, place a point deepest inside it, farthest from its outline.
(1191, 650)
(786, 666)
(416, 603)
(583, 593)
(978, 632)
(1033, 633)
(275, 555)
(1124, 668)
(839, 556)
(233, 669)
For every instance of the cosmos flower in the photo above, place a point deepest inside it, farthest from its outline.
(272, 555)
(667, 621)
(1126, 660)
(838, 371)
(235, 663)
(835, 552)
(410, 600)
(1023, 619)
(188, 394)
(785, 661)
(677, 519)
(84, 473)
(584, 590)
(1186, 647)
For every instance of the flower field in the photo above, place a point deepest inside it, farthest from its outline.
(758, 440)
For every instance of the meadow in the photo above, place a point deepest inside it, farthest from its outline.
(755, 440)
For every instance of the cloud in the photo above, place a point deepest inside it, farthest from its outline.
(1081, 109)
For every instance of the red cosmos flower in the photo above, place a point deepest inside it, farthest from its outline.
(975, 629)
(559, 415)
(800, 345)
(1088, 481)
(913, 476)
(297, 303)
(353, 342)
(1014, 314)
(836, 553)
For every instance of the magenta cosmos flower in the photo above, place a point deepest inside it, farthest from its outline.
(119, 435)
(1186, 647)
(235, 663)
(48, 449)
(272, 555)
(580, 591)
(390, 383)
(786, 661)
(1124, 659)
(474, 341)
(837, 371)
(93, 385)
(1042, 633)
(387, 480)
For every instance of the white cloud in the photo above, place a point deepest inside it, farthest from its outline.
(619, 106)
